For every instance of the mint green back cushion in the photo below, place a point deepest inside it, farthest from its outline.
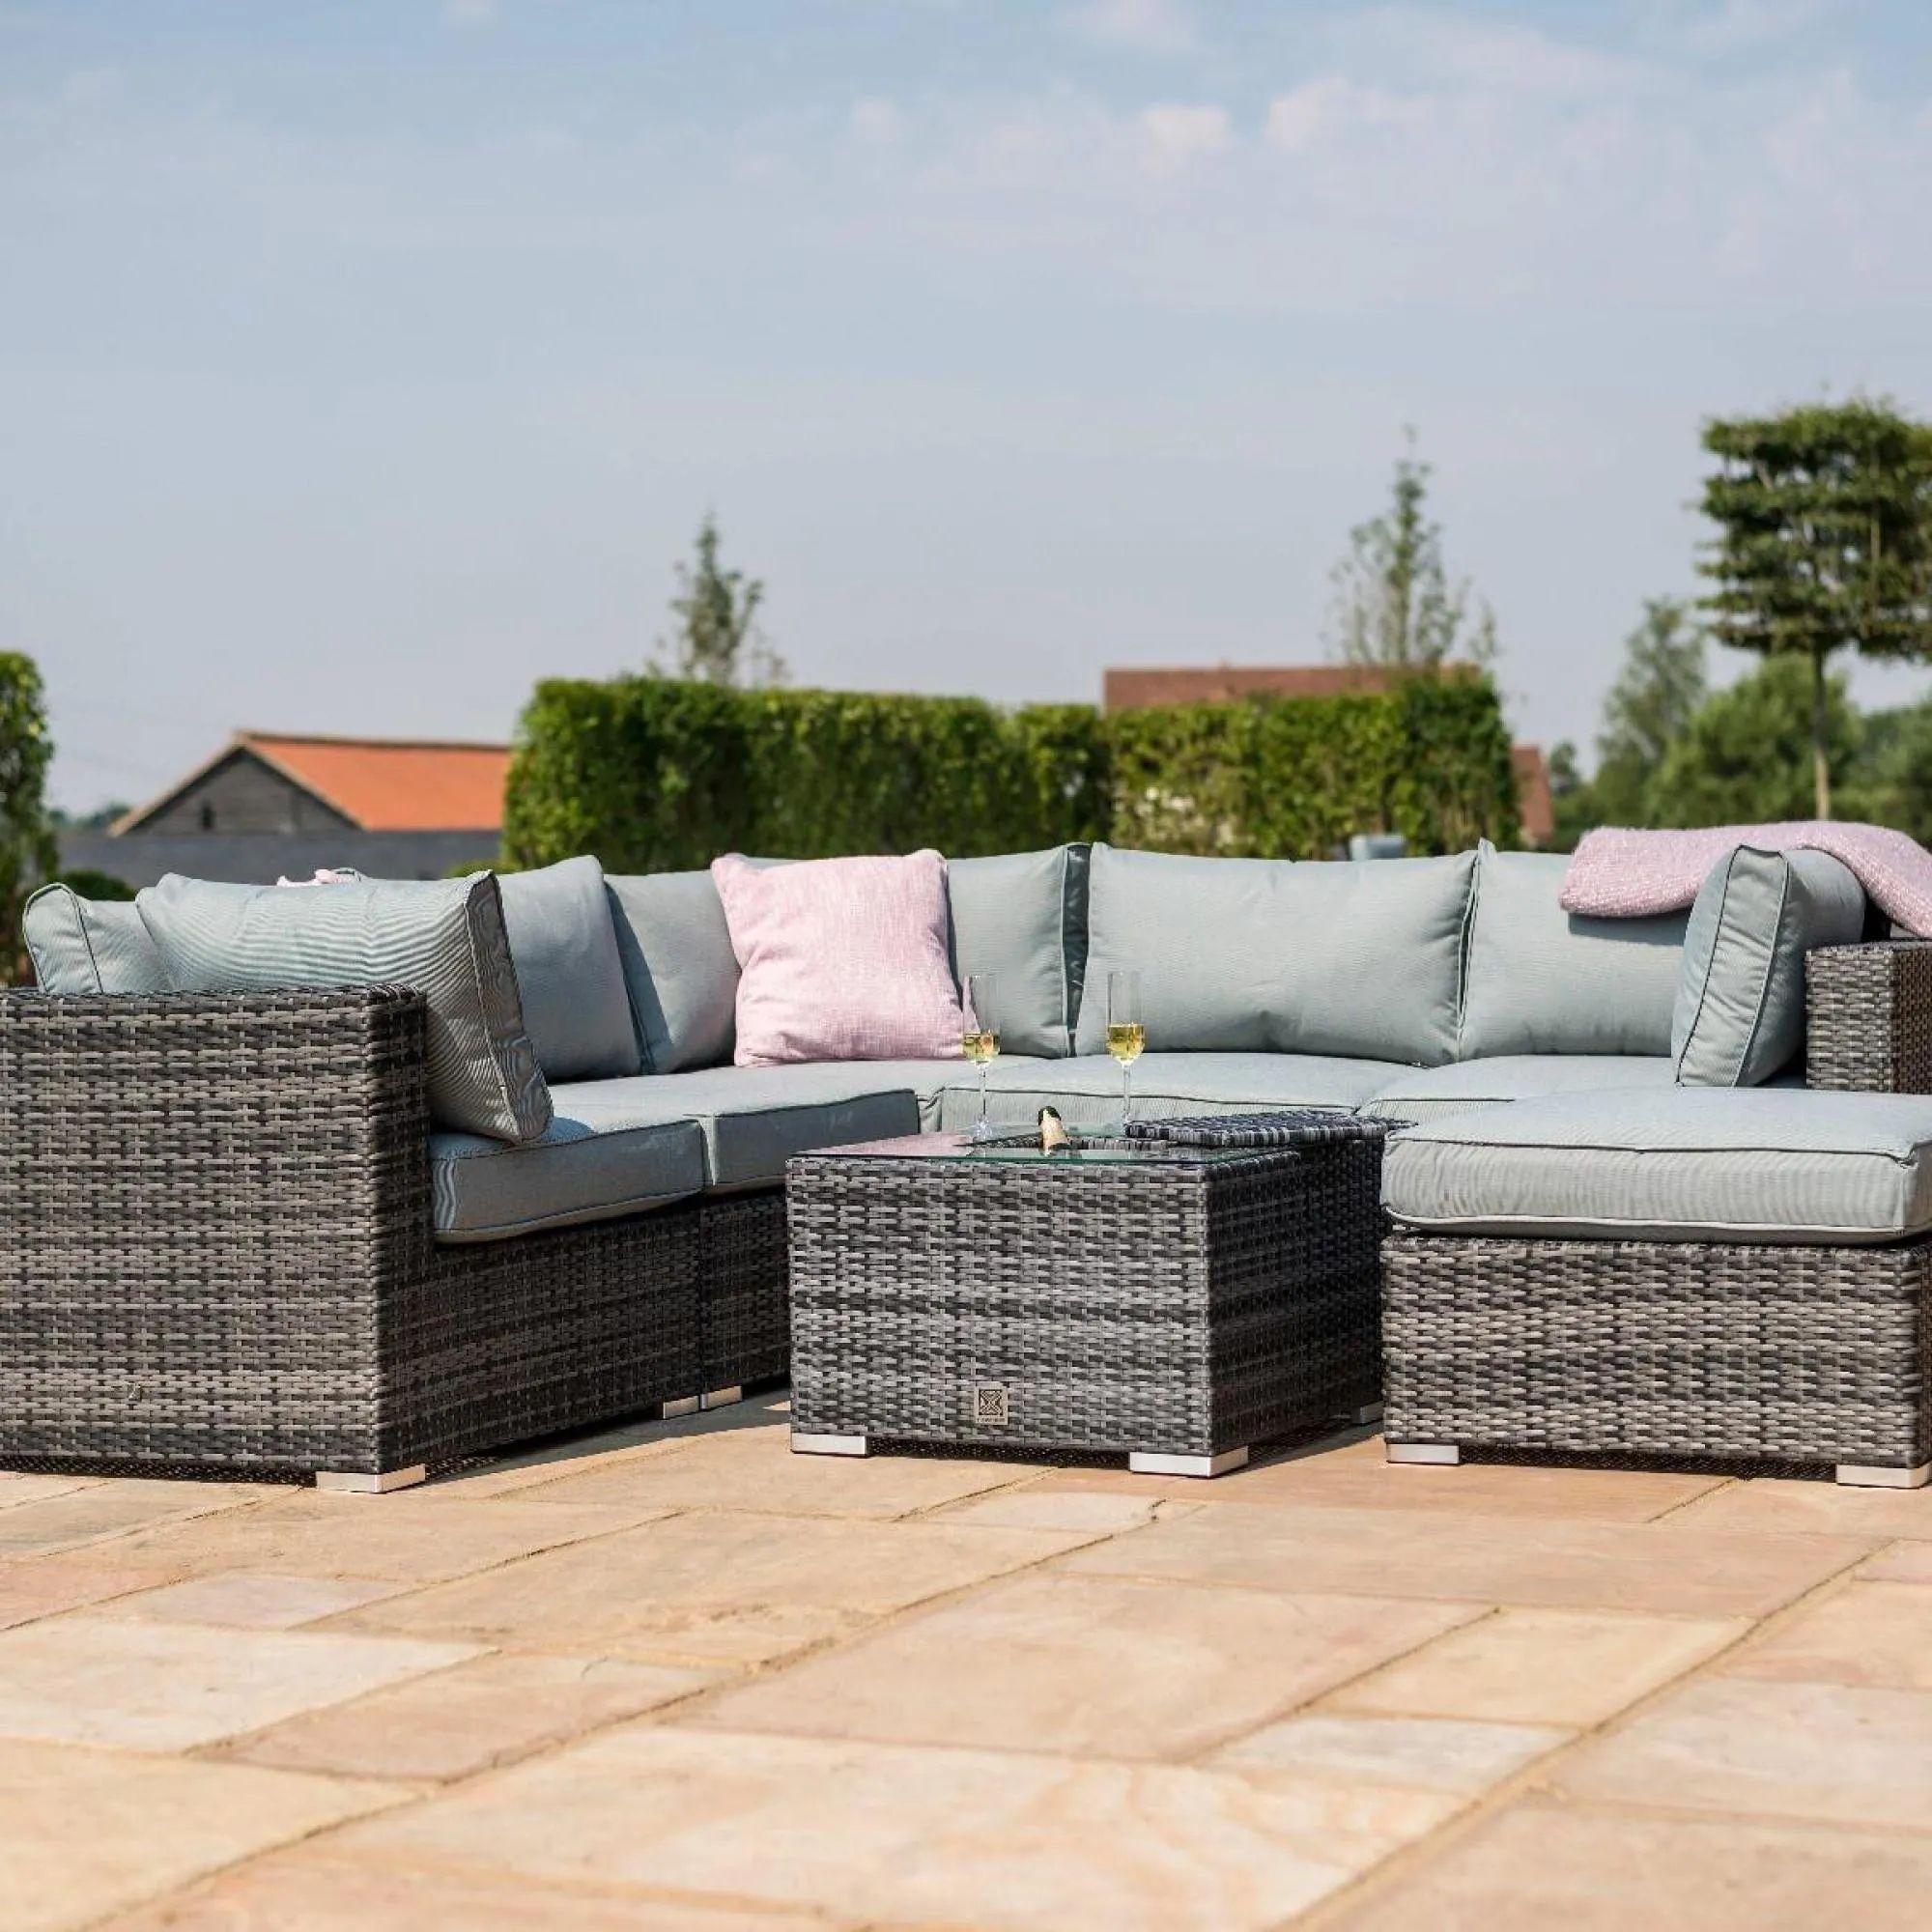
(1317, 957)
(1740, 1016)
(1541, 980)
(1022, 916)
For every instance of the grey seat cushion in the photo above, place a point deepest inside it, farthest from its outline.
(1022, 916)
(1740, 1013)
(577, 1170)
(445, 938)
(90, 946)
(1694, 1164)
(1293, 956)
(564, 942)
(1431, 1090)
(1087, 1091)
(1540, 979)
(752, 1119)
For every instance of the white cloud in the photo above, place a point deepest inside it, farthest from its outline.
(469, 12)
(1449, 46)
(1180, 134)
(1736, 26)
(1318, 111)
(1148, 26)
(876, 122)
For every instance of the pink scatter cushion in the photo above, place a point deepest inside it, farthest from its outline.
(840, 959)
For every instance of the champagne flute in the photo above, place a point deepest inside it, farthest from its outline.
(1127, 1035)
(979, 1042)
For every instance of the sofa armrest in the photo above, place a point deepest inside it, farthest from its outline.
(1868, 1017)
(213, 1214)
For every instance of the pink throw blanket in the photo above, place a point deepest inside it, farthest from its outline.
(1619, 873)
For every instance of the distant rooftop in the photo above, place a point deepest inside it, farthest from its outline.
(378, 784)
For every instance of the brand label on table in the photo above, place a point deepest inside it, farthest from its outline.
(990, 1406)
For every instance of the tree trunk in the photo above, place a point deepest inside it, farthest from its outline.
(1820, 759)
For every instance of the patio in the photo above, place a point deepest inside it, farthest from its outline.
(674, 1677)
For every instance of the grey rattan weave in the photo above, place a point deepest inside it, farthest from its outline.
(744, 1329)
(1683, 1349)
(1868, 1017)
(215, 1251)
(1175, 1303)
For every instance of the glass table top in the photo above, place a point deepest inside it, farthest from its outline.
(1023, 1149)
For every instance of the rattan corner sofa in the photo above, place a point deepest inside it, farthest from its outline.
(237, 1235)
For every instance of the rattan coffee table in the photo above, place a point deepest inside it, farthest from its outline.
(1177, 1303)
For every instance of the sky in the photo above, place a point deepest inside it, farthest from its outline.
(362, 363)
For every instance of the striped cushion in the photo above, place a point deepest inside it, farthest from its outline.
(90, 946)
(442, 937)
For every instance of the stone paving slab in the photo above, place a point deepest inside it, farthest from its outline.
(1087, 1667)
(1359, 1477)
(171, 1686)
(1537, 1868)
(1654, 1567)
(84, 1833)
(916, 1837)
(670, 1678)
(726, 1588)
(460, 1721)
(1572, 1667)
(340, 1895)
(1844, 1754)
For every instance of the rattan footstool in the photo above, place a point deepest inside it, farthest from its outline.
(1173, 1301)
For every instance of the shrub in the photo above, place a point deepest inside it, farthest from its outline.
(654, 774)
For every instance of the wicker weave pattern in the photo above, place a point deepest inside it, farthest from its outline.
(743, 1309)
(1671, 1348)
(1290, 1127)
(216, 1250)
(1868, 1017)
(1166, 1306)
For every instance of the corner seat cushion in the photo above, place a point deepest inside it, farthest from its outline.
(752, 1120)
(483, 1190)
(1086, 1092)
(1782, 1165)
(1428, 1091)
(1308, 956)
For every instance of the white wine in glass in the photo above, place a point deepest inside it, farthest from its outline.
(979, 1042)
(1127, 1035)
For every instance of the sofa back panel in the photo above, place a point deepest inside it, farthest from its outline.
(1540, 979)
(1740, 1013)
(1281, 955)
(564, 942)
(1023, 917)
(679, 968)
(90, 946)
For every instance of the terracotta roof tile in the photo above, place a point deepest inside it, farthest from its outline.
(395, 786)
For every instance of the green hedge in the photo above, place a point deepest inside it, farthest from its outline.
(652, 775)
